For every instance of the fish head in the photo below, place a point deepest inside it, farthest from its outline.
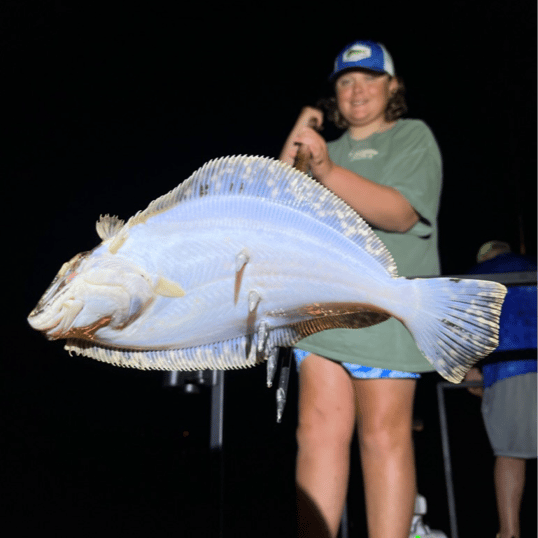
(91, 291)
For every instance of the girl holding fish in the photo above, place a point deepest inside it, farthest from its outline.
(389, 170)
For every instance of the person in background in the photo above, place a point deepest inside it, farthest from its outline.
(389, 170)
(509, 380)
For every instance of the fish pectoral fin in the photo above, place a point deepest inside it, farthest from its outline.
(108, 226)
(167, 288)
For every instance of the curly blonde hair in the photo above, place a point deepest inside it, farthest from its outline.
(396, 107)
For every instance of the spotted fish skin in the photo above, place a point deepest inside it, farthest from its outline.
(245, 256)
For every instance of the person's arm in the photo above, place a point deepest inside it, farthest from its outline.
(381, 206)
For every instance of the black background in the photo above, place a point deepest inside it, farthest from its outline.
(108, 105)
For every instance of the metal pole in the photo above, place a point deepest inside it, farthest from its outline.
(446, 448)
(217, 410)
(446, 460)
(216, 438)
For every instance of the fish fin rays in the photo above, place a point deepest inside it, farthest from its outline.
(227, 355)
(107, 226)
(457, 323)
(281, 185)
(320, 316)
(355, 320)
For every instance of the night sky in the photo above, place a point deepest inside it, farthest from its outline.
(109, 105)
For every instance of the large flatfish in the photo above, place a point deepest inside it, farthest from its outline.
(246, 256)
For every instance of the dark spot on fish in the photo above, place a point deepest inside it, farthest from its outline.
(456, 280)
(204, 189)
(241, 187)
(455, 328)
(449, 324)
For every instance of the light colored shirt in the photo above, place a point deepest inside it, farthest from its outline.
(407, 158)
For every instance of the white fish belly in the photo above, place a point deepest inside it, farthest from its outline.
(289, 264)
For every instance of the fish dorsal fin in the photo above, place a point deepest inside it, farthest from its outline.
(108, 226)
(279, 183)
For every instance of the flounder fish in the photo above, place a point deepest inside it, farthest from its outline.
(246, 256)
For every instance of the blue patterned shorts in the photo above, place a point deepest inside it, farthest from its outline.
(361, 372)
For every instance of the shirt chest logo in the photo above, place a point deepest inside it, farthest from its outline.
(360, 154)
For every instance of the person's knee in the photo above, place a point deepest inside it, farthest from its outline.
(324, 430)
(385, 437)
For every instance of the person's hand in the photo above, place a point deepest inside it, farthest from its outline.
(308, 118)
(313, 144)
(474, 374)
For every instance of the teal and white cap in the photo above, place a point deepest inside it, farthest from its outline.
(364, 55)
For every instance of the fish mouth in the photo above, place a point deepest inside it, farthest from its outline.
(40, 318)
(36, 322)
(64, 276)
(58, 324)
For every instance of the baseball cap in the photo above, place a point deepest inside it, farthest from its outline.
(366, 55)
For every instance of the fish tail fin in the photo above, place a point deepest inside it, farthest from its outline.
(456, 322)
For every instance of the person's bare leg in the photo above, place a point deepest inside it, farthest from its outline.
(509, 474)
(326, 424)
(384, 417)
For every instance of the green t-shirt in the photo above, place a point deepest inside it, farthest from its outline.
(407, 158)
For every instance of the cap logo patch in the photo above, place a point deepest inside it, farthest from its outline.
(357, 53)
